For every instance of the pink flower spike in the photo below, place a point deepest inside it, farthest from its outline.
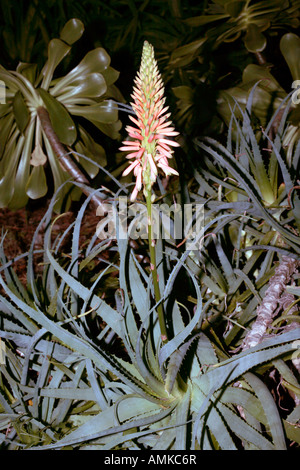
(150, 147)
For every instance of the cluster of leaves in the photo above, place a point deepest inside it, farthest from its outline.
(189, 39)
(91, 371)
(82, 363)
(203, 49)
(28, 26)
(85, 92)
(191, 43)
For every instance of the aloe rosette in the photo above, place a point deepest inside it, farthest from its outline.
(90, 397)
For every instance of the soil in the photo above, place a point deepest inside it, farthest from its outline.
(18, 228)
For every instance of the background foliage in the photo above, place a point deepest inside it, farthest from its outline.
(206, 54)
(84, 366)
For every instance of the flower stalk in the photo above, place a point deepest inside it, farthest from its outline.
(155, 280)
(150, 148)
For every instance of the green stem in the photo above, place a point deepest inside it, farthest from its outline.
(179, 385)
(160, 310)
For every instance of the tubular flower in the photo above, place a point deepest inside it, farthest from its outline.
(150, 148)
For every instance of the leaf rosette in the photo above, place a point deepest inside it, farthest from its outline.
(87, 92)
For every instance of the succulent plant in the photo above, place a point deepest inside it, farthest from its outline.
(86, 92)
(70, 384)
(86, 367)
(269, 94)
(230, 20)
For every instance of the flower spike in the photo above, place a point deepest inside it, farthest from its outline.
(151, 148)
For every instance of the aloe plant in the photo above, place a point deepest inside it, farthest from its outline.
(82, 395)
(87, 367)
(261, 166)
(86, 91)
(252, 167)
